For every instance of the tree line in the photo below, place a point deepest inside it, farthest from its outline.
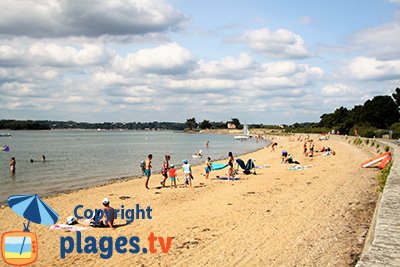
(190, 124)
(375, 118)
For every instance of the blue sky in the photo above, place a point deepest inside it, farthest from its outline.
(266, 62)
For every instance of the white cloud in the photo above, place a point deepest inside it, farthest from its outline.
(381, 41)
(364, 68)
(338, 90)
(93, 18)
(8, 52)
(276, 44)
(169, 58)
(54, 55)
(228, 66)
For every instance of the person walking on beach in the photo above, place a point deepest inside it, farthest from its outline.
(208, 142)
(147, 169)
(208, 167)
(13, 162)
(273, 146)
(172, 175)
(311, 149)
(230, 163)
(164, 169)
(187, 173)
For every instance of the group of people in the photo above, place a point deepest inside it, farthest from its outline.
(308, 148)
(168, 170)
(13, 163)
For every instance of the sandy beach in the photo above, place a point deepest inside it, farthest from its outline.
(313, 217)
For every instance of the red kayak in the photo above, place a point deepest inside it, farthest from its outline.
(375, 160)
(384, 162)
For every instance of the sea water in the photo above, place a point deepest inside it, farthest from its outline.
(82, 158)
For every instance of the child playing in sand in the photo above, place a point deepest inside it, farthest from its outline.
(187, 173)
(172, 175)
(284, 156)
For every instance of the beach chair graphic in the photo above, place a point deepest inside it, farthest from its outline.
(20, 248)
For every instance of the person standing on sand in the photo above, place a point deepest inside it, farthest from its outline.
(208, 142)
(273, 146)
(208, 167)
(147, 169)
(187, 172)
(12, 164)
(230, 163)
(172, 175)
(164, 169)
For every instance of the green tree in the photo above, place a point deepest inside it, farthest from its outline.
(205, 124)
(381, 112)
(191, 123)
(236, 122)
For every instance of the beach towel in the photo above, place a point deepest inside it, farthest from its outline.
(263, 166)
(295, 168)
(66, 227)
(226, 178)
(218, 166)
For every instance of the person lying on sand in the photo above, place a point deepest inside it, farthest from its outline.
(106, 221)
(289, 159)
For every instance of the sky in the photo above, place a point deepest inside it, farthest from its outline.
(263, 61)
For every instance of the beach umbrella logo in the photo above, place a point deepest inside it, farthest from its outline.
(21, 247)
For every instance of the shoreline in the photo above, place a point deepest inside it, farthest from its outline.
(124, 179)
(289, 216)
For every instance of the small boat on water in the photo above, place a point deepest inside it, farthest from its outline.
(5, 135)
(198, 154)
(245, 135)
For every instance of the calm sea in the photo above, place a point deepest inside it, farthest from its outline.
(81, 158)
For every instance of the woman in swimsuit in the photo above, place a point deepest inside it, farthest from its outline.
(230, 163)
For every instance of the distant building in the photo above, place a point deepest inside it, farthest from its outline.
(231, 125)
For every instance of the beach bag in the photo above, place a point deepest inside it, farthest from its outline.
(143, 165)
(71, 220)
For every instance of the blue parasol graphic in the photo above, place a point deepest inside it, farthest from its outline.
(32, 208)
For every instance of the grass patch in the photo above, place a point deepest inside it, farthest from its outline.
(357, 141)
(383, 177)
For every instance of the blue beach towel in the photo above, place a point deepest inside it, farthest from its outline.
(218, 166)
